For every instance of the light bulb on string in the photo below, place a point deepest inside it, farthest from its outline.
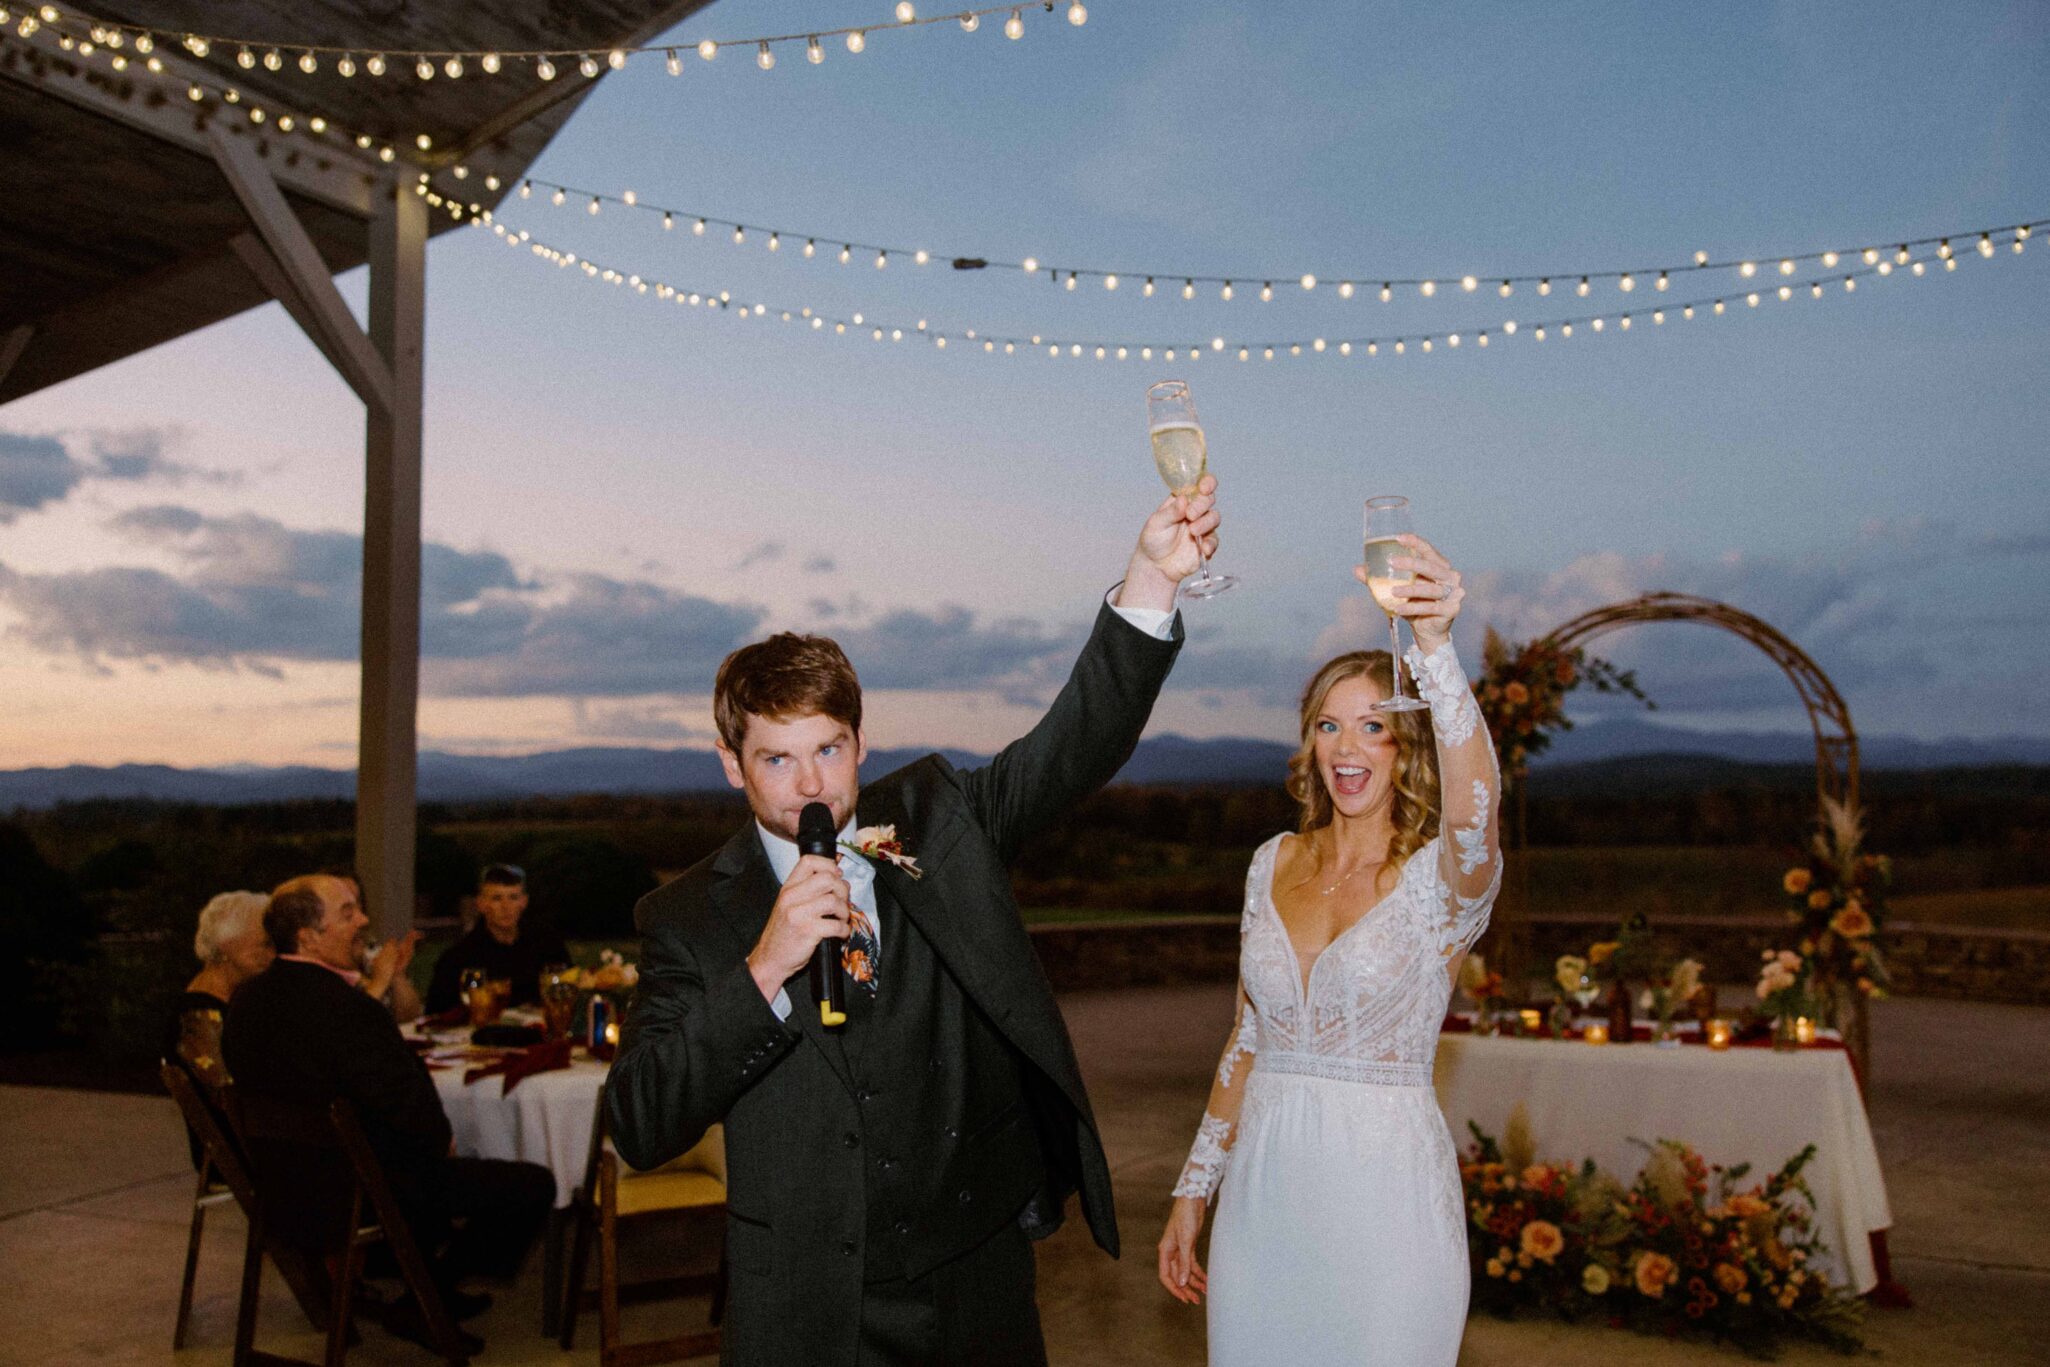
(810, 248)
(1662, 282)
(775, 242)
(1387, 291)
(708, 49)
(1071, 281)
(1147, 288)
(588, 66)
(346, 67)
(970, 22)
(813, 53)
(454, 68)
(906, 11)
(882, 260)
(856, 41)
(1985, 244)
(1469, 283)
(244, 58)
(1582, 288)
(1078, 14)
(557, 198)
(424, 69)
(846, 255)
(616, 59)
(739, 235)
(1188, 289)
(1345, 289)
(1544, 287)
(1626, 282)
(592, 208)
(764, 58)
(668, 221)
(491, 62)
(1787, 266)
(1267, 292)
(1829, 260)
(1225, 293)
(1014, 27)
(308, 63)
(545, 69)
(1308, 282)
(1506, 289)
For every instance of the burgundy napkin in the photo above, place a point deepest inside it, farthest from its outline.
(519, 1064)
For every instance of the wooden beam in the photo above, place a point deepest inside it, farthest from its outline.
(12, 345)
(387, 738)
(301, 276)
(327, 171)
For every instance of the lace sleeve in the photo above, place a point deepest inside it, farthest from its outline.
(1469, 845)
(1205, 1168)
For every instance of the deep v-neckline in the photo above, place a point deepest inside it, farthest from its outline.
(1303, 978)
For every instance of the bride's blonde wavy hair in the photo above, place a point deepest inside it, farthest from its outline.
(1415, 811)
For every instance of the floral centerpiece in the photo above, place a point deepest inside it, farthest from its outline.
(1783, 992)
(1666, 993)
(1484, 987)
(1681, 1251)
(1522, 693)
(1838, 900)
(611, 974)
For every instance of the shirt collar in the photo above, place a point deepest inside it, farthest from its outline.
(348, 976)
(783, 854)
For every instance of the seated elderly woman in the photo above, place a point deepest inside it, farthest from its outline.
(232, 948)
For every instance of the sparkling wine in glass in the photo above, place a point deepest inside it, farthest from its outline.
(1181, 455)
(1387, 517)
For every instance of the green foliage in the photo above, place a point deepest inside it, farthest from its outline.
(584, 887)
(46, 931)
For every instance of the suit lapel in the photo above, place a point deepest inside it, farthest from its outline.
(745, 894)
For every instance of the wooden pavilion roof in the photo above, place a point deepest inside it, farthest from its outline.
(119, 231)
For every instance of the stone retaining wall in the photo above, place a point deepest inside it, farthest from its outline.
(1927, 961)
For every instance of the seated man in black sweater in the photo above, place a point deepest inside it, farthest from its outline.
(301, 1031)
(498, 944)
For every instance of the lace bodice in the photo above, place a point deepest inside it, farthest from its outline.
(1377, 993)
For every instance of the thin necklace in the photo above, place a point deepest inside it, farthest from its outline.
(1357, 870)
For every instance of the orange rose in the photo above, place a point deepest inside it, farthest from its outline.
(1796, 882)
(1852, 923)
(1516, 693)
(1542, 1240)
(1731, 1278)
(1655, 1272)
(1601, 953)
(1820, 899)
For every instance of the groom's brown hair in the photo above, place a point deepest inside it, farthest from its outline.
(783, 678)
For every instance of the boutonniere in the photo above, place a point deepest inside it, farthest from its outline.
(881, 842)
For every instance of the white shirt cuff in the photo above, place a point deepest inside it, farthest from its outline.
(1152, 621)
(781, 1006)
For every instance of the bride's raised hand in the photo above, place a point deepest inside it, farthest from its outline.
(1180, 1273)
(1434, 596)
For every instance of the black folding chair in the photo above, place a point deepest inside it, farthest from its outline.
(322, 1188)
(224, 1175)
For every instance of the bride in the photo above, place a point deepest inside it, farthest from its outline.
(1340, 1231)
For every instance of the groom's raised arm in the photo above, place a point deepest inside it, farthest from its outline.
(1095, 722)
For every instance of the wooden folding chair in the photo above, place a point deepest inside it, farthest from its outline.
(612, 1192)
(297, 1149)
(224, 1176)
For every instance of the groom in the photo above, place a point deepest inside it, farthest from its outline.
(885, 1176)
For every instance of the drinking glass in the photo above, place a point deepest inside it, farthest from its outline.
(1181, 455)
(558, 1001)
(1387, 518)
(478, 996)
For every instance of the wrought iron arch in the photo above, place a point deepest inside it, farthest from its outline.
(1836, 742)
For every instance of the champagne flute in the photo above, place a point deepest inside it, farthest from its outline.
(1387, 518)
(1181, 456)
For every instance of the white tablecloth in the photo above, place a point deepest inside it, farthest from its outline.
(1734, 1106)
(546, 1120)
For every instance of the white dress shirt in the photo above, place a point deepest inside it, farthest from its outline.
(859, 873)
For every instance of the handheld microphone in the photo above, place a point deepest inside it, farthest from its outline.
(816, 834)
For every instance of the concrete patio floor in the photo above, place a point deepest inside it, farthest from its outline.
(95, 1196)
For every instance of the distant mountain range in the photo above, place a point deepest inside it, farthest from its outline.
(1699, 758)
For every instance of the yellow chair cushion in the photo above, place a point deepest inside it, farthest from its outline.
(666, 1189)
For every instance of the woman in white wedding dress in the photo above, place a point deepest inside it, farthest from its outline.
(1340, 1230)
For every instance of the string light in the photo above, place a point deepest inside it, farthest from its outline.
(306, 57)
(1103, 349)
(1625, 279)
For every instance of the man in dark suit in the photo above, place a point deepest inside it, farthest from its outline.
(303, 1031)
(884, 1176)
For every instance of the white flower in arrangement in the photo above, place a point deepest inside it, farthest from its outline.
(1686, 979)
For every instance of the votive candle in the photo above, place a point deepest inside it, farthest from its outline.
(1532, 1018)
(612, 1032)
(1718, 1034)
(1596, 1033)
(1804, 1030)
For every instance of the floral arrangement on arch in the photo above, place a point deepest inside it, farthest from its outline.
(1684, 1250)
(1522, 693)
(1837, 898)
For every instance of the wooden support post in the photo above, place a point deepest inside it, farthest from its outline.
(386, 754)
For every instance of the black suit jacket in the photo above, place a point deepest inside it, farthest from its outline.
(300, 1032)
(702, 1046)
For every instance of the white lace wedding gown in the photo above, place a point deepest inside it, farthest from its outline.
(1340, 1232)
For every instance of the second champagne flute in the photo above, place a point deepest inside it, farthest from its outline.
(1181, 455)
(1387, 518)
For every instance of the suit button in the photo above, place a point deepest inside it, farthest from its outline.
(953, 1133)
(903, 1226)
(851, 1140)
(887, 1164)
(965, 1196)
(863, 1095)
(934, 1066)
(847, 1247)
